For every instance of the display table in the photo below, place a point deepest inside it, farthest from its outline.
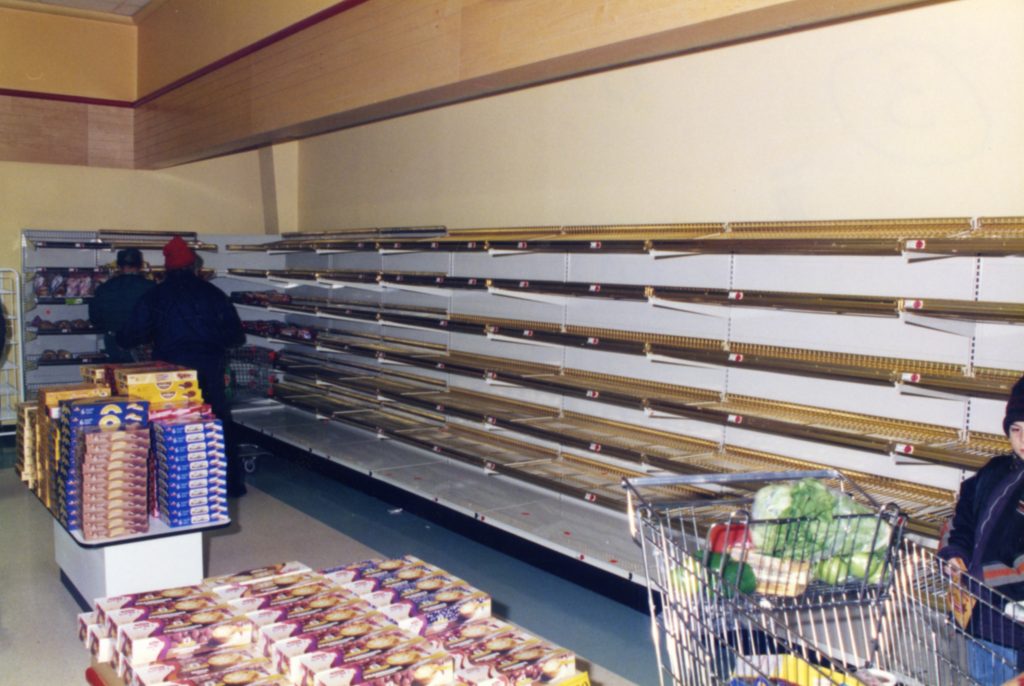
(161, 558)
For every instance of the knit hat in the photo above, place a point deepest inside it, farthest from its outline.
(177, 254)
(1014, 406)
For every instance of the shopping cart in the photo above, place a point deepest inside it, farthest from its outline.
(912, 618)
(249, 373)
(249, 376)
(727, 611)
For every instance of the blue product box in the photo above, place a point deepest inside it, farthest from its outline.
(189, 520)
(187, 426)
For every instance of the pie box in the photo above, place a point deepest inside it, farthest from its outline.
(107, 413)
(183, 491)
(154, 374)
(353, 617)
(249, 576)
(538, 662)
(175, 521)
(90, 533)
(232, 678)
(268, 586)
(288, 597)
(164, 399)
(123, 467)
(100, 643)
(206, 668)
(189, 411)
(299, 610)
(119, 619)
(433, 613)
(411, 664)
(176, 462)
(49, 397)
(191, 427)
(157, 597)
(112, 483)
(380, 569)
(199, 506)
(475, 644)
(192, 633)
(302, 657)
(84, 620)
(182, 469)
(387, 591)
(172, 441)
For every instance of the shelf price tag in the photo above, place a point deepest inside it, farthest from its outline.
(581, 679)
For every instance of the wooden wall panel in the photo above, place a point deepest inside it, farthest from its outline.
(385, 58)
(60, 132)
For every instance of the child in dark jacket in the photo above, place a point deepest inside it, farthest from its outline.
(986, 539)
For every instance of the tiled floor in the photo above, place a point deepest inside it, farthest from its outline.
(294, 513)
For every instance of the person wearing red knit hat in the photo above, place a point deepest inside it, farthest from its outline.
(191, 323)
(177, 254)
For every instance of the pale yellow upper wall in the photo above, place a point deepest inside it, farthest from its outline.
(47, 53)
(222, 195)
(180, 36)
(904, 114)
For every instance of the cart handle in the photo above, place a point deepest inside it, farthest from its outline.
(734, 477)
(631, 485)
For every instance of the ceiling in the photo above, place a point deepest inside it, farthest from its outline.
(122, 8)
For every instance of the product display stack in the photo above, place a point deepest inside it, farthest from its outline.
(25, 443)
(101, 480)
(191, 471)
(386, 622)
(48, 436)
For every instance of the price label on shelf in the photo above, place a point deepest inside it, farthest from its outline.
(581, 679)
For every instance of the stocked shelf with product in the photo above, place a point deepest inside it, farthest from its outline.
(61, 271)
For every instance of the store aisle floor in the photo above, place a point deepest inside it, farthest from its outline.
(277, 521)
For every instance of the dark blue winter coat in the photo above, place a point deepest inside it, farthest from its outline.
(185, 318)
(987, 533)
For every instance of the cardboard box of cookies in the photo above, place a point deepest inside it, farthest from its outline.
(189, 634)
(434, 613)
(353, 618)
(257, 574)
(538, 662)
(300, 659)
(418, 664)
(209, 668)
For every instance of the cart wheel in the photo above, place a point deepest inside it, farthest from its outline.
(249, 464)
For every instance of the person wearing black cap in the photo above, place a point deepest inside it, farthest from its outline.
(113, 301)
(985, 539)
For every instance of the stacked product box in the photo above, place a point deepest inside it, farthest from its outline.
(286, 624)
(191, 471)
(111, 435)
(115, 483)
(105, 373)
(162, 386)
(25, 442)
(48, 433)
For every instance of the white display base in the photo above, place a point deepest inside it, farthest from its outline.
(129, 567)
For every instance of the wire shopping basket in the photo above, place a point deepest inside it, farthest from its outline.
(249, 372)
(734, 598)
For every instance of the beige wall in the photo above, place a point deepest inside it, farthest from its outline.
(914, 113)
(217, 196)
(181, 36)
(47, 53)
